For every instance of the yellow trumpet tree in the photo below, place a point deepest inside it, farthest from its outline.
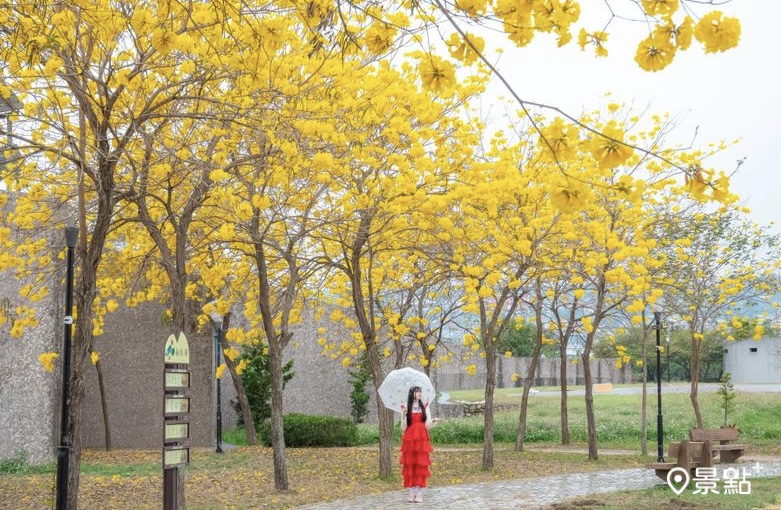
(716, 262)
(393, 160)
(496, 217)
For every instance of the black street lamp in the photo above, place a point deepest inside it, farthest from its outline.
(659, 420)
(217, 323)
(667, 350)
(63, 451)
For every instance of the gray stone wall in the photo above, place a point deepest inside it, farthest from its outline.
(453, 376)
(321, 385)
(131, 354)
(29, 396)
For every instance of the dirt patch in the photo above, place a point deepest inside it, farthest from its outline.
(577, 503)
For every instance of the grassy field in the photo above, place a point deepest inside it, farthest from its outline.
(757, 415)
(242, 478)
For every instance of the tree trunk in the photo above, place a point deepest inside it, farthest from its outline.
(79, 354)
(385, 417)
(563, 382)
(499, 374)
(644, 405)
(241, 395)
(590, 420)
(364, 313)
(694, 389)
(527, 385)
(488, 422)
(276, 344)
(85, 291)
(238, 385)
(75, 426)
(277, 430)
(104, 406)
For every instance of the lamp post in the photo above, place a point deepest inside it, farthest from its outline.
(659, 420)
(217, 323)
(63, 451)
(667, 350)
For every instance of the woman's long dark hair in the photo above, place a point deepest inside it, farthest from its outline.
(410, 401)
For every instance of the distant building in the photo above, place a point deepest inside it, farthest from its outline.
(751, 361)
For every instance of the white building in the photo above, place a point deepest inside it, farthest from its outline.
(751, 361)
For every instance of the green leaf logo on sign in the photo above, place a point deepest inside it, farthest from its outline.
(177, 350)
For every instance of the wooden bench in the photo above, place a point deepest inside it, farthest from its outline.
(726, 449)
(688, 455)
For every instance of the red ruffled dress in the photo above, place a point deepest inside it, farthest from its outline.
(415, 450)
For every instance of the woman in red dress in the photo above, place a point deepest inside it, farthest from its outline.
(416, 444)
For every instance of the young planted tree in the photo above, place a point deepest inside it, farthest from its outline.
(536, 303)
(497, 225)
(276, 199)
(562, 312)
(726, 394)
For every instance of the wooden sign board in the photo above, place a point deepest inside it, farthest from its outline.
(177, 431)
(177, 379)
(176, 411)
(177, 404)
(177, 350)
(175, 456)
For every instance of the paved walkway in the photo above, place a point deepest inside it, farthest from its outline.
(533, 493)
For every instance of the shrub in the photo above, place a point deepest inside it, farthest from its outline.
(310, 430)
(15, 465)
(257, 382)
(369, 434)
(359, 399)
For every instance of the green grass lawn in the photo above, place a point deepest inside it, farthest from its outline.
(618, 417)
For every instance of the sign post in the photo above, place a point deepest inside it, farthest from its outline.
(176, 418)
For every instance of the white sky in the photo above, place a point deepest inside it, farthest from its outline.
(732, 95)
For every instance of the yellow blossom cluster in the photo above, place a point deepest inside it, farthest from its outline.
(715, 31)
(47, 360)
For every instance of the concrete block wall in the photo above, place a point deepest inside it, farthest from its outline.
(453, 375)
(30, 398)
(131, 354)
